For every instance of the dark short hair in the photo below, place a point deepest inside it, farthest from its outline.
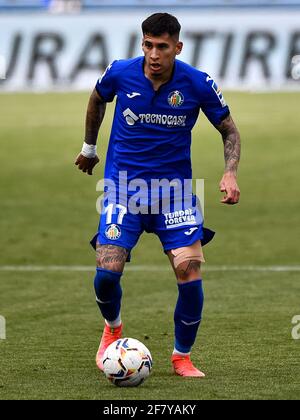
(161, 23)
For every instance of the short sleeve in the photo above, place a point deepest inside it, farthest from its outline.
(106, 85)
(212, 101)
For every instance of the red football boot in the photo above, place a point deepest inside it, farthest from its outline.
(183, 366)
(108, 337)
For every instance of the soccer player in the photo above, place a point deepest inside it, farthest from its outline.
(158, 101)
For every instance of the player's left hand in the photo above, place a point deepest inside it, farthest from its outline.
(86, 164)
(229, 185)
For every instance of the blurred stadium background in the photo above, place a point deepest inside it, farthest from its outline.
(51, 54)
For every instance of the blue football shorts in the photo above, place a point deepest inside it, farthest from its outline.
(179, 225)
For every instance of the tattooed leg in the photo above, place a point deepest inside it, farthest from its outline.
(186, 271)
(111, 257)
(107, 283)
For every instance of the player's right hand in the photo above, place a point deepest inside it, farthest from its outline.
(86, 164)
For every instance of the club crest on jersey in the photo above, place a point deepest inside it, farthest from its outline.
(113, 232)
(175, 99)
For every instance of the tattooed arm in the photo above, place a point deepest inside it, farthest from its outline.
(94, 117)
(232, 147)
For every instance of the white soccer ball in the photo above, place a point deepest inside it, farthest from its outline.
(127, 362)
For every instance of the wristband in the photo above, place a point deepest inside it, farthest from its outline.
(89, 150)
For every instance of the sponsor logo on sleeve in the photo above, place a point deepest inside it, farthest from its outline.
(217, 90)
(106, 70)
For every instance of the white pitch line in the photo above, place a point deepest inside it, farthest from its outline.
(149, 268)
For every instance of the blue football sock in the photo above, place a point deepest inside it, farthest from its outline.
(108, 293)
(188, 314)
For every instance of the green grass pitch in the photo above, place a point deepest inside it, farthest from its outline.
(48, 216)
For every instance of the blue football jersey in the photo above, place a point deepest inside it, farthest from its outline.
(151, 131)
